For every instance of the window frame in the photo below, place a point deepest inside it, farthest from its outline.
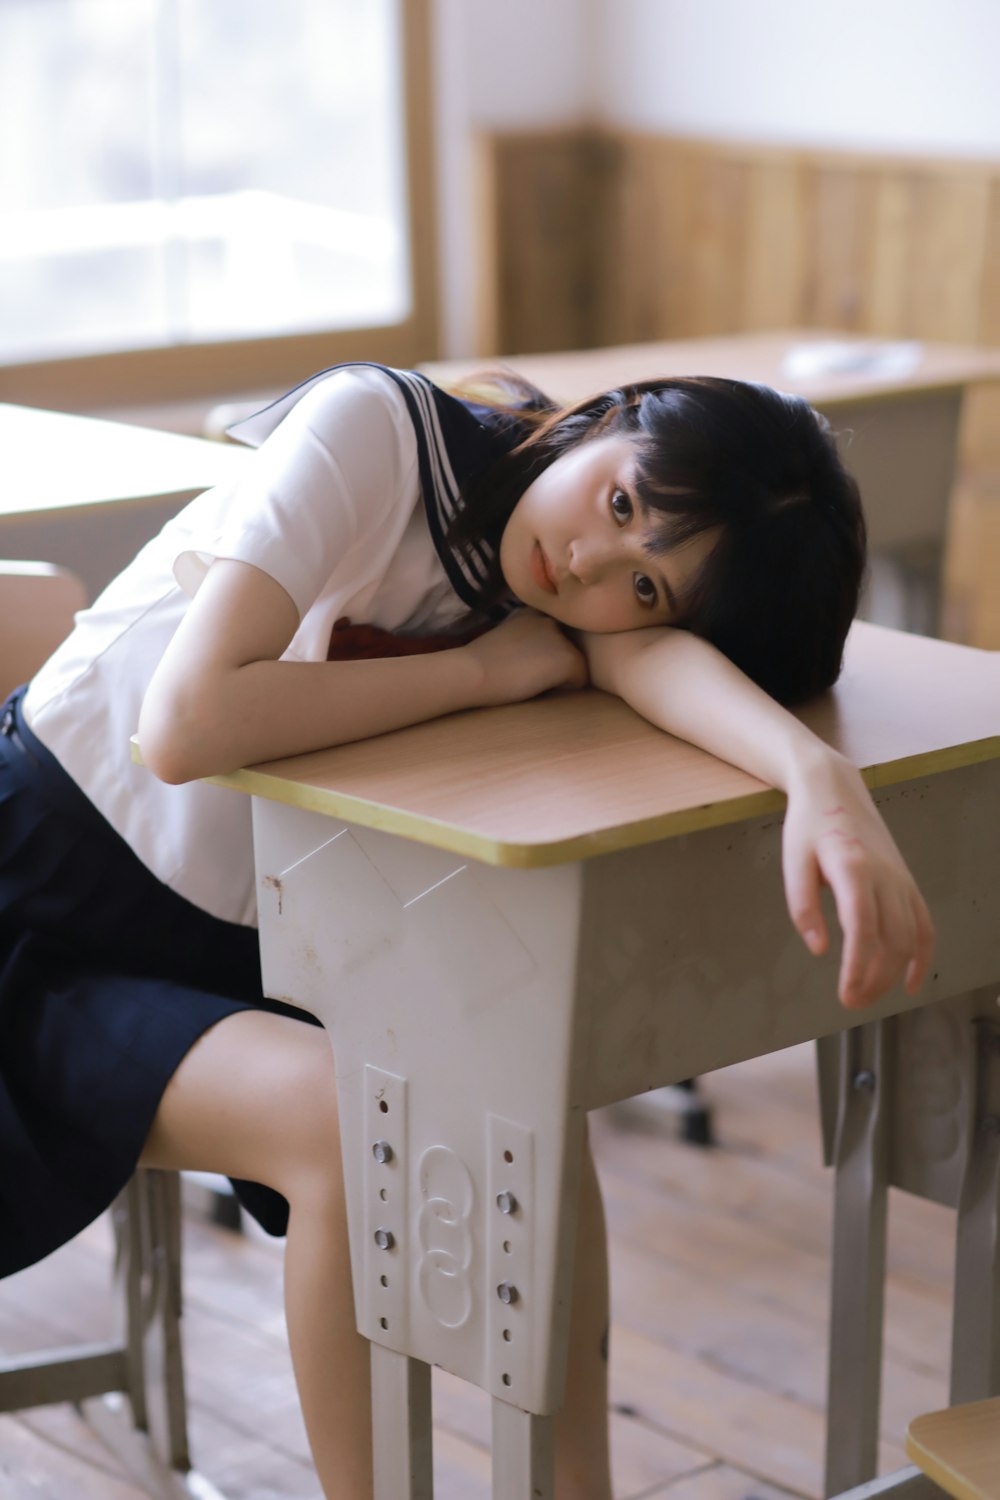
(160, 374)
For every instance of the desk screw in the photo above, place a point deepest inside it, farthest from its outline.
(864, 1080)
(507, 1203)
(382, 1152)
(384, 1239)
(507, 1292)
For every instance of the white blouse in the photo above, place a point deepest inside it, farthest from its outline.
(330, 507)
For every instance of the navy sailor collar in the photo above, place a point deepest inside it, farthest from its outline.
(456, 439)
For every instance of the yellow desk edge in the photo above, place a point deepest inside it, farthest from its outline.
(458, 840)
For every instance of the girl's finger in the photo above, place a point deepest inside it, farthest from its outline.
(896, 946)
(802, 895)
(917, 970)
(900, 945)
(858, 913)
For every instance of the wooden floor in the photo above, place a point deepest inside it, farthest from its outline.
(720, 1269)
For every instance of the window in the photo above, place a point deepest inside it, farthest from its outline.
(204, 190)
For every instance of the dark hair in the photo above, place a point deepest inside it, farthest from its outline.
(781, 585)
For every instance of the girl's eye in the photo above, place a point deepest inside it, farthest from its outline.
(621, 506)
(645, 590)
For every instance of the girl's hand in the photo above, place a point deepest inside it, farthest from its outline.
(525, 656)
(834, 836)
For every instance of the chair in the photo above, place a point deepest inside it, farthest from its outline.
(37, 605)
(144, 1362)
(959, 1448)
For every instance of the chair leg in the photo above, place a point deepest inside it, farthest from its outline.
(153, 1446)
(146, 1219)
(165, 1399)
(127, 1281)
(131, 1390)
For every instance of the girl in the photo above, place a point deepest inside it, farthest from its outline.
(692, 545)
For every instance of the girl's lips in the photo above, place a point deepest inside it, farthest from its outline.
(540, 570)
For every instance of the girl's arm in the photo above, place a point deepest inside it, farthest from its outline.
(833, 834)
(221, 699)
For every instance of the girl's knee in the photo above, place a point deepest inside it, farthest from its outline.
(289, 1084)
(309, 1157)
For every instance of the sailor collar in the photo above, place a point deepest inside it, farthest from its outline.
(456, 439)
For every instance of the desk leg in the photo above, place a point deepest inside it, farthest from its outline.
(401, 1426)
(859, 1231)
(523, 1464)
(975, 1354)
(453, 1002)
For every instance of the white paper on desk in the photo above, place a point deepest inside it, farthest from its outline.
(852, 357)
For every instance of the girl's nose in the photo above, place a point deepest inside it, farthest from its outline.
(589, 559)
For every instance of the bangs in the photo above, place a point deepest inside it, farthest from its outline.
(675, 514)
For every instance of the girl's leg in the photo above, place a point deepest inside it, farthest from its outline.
(256, 1098)
(582, 1460)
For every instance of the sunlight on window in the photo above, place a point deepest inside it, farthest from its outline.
(189, 170)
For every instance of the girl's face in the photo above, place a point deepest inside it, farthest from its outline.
(575, 545)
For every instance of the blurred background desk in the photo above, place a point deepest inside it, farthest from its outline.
(88, 494)
(896, 407)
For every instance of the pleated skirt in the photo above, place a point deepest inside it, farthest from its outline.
(107, 978)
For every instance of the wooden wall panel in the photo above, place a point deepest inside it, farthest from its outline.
(926, 240)
(627, 294)
(774, 269)
(885, 299)
(718, 190)
(545, 191)
(684, 237)
(989, 317)
(844, 228)
(981, 419)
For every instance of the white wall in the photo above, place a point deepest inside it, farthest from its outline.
(918, 76)
(904, 75)
(498, 63)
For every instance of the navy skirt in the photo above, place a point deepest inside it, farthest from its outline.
(107, 977)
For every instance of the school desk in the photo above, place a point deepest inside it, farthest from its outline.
(509, 917)
(88, 493)
(896, 405)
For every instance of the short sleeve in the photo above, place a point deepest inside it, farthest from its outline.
(330, 475)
